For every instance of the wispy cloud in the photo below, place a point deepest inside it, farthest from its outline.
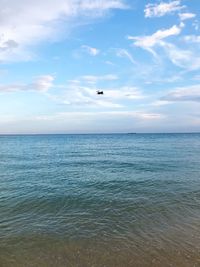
(108, 62)
(192, 38)
(124, 93)
(149, 41)
(195, 24)
(90, 50)
(139, 115)
(184, 94)
(82, 93)
(159, 103)
(124, 53)
(41, 84)
(196, 78)
(185, 16)
(85, 96)
(163, 8)
(101, 5)
(92, 79)
(185, 55)
(183, 58)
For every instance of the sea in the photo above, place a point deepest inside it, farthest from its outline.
(100, 200)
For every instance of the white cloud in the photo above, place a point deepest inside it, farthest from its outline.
(80, 93)
(91, 50)
(149, 41)
(149, 116)
(139, 115)
(109, 63)
(196, 78)
(186, 59)
(192, 38)
(184, 94)
(159, 103)
(89, 5)
(185, 16)
(26, 23)
(124, 53)
(81, 96)
(80, 100)
(92, 79)
(42, 84)
(161, 9)
(124, 93)
(195, 24)
(86, 96)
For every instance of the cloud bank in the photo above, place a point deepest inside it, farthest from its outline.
(26, 23)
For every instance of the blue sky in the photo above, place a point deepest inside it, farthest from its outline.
(144, 55)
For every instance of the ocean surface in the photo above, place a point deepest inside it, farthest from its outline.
(118, 200)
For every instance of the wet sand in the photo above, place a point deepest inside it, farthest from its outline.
(180, 249)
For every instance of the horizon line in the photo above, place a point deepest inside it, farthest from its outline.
(92, 133)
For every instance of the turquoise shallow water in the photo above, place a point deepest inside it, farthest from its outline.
(100, 200)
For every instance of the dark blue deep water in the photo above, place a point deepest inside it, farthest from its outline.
(100, 200)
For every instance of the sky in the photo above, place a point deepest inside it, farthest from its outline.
(55, 55)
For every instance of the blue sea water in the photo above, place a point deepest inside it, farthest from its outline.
(100, 200)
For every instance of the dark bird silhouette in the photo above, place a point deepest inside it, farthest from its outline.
(99, 92)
